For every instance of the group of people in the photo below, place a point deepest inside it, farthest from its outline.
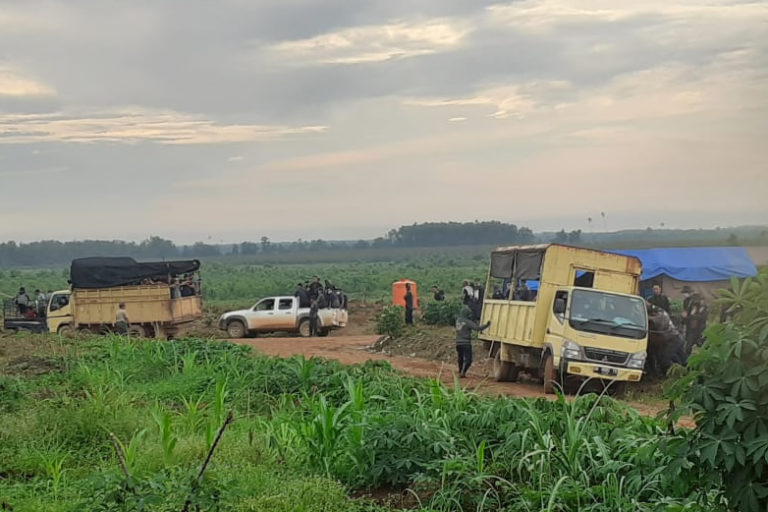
(669, 343)
(29, 307)
(316, 296)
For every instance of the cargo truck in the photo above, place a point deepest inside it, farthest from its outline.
(580, 316)
(161, 298)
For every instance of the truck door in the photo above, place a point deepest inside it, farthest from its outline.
(59, 311)
(286, 313)
(556, 322)
(263, 316)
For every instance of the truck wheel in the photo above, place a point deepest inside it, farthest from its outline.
(236, 329)
(504, 371)
(549, 374)
(304, 328)
(136, 331)
(323, 332)
(85, 331)
(65, 330)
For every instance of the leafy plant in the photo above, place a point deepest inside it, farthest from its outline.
(391, 321)
(441, 312)
(726, 389)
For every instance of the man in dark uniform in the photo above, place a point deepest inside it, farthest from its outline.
(315, 288)
(438, 294)
(303, 295)
(408, 304)
(659, 299)
(313, 307)
(665, 345)
(464, 327)
(695, 313)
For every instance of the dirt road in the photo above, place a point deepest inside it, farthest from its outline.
(354, 349)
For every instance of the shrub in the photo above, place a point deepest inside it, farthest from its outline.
(441, 312)
(391, 321)
(726, 389)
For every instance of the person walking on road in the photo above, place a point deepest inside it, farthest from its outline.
(121, 319)
(408, 304)
(313, 310)
(464, 327)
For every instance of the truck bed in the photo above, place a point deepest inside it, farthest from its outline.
(144, 304)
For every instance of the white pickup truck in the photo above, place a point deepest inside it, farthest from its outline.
(279, 314)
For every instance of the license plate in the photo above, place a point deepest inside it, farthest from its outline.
(602, 370)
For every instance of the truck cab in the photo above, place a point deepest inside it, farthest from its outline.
(583, 320)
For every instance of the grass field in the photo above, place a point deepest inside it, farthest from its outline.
(307, 435)
(243, 283)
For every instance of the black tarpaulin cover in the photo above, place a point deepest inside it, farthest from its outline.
(109, 272)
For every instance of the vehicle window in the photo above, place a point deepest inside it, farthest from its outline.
(606, 313)
(560, 304)
(285, 304)
(59, 301)
(265, 305)
(584, 278)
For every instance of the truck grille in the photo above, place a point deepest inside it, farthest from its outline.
(607, 356)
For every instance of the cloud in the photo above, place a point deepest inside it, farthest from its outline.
(131, 125)
(375, 43)
(512, 101)
(15, 85)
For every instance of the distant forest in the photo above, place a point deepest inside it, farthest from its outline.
(426, 235)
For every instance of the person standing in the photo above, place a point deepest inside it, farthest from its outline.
(313, 314)
(438, 294)
(121, 319)
(315, 287)
(464, 327)
(302, 294)
(658, 299)
(695, 321)
(467, 293)
(408, 304)
(41, 301)
(22, 301)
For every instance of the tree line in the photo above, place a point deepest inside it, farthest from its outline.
(430, 234)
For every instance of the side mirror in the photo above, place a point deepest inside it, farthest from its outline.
(559, 306)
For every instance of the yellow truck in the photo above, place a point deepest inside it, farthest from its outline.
(562, 311)
(160, 297)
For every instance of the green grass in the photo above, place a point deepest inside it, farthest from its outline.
(242, 284)
(308, 434)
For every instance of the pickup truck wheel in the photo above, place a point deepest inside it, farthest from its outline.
(65, 330)
(236, 329)
(323, 332)
(504, 371)
(549, 374)
(304, 328)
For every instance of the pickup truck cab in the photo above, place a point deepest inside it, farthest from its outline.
(279, 314)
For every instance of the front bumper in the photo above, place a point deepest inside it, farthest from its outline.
(602, 371)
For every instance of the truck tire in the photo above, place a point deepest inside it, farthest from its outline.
(137, 331)
(65, 330)
(236, 329)
(304, 328)
(323, 332)
(504, 371)
(549, 374)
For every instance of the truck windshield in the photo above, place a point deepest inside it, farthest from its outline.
(606, 313)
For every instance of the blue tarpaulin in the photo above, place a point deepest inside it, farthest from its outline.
(694, 263)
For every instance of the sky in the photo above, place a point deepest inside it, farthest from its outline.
(227, 121)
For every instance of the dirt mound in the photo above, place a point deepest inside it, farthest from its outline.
(31, 366)
(425, 343)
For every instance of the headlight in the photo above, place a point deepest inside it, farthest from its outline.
(570, 350)
(637, 360)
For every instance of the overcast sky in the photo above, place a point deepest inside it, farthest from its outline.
(229, 120)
